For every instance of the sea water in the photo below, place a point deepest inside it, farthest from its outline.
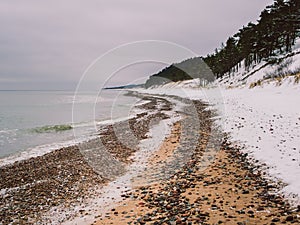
(45, 120)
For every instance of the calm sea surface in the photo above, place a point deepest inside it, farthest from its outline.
(41, 119)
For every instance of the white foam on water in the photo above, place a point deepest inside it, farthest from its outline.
(91, 132)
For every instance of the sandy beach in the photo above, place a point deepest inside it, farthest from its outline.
(194, 176)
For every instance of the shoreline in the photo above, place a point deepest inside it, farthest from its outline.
(176, 163)
(65, 177)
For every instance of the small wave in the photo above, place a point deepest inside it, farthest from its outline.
(7, 131)
(52, 128)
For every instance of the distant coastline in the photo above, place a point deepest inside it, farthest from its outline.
(124, 87)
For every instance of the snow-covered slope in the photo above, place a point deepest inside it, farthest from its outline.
(244, 77)
(264, 120)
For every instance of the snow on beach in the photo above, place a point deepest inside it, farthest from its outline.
(264, 120)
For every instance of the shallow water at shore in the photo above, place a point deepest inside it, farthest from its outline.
(36, 121)
(70, 171)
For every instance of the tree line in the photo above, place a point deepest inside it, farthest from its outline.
(185, 70)
(274, 33)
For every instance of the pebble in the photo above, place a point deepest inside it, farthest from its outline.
(63, 177)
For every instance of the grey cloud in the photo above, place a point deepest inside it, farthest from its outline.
(52, 42)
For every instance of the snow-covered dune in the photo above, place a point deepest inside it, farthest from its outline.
(287, 64)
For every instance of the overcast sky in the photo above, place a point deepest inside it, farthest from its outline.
(49, 44)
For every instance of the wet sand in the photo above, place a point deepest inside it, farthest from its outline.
(168, 147)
